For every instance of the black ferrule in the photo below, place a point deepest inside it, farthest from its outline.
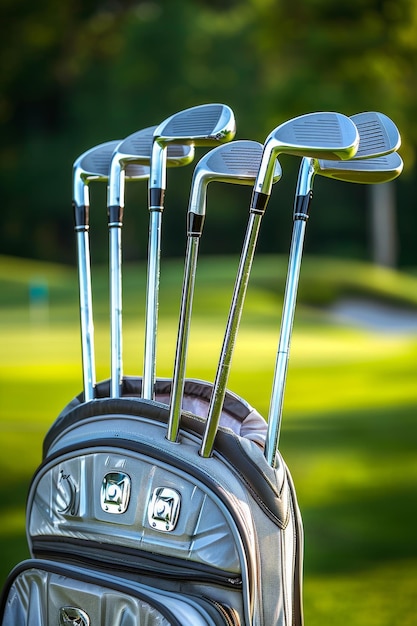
(302, 205)
(195, 223)
(156, 198)
(81, 216)
(115, 214)
(259, 202)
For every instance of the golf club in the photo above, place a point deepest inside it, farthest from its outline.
(366, 170)
(205, 125)
(330, 135)
(236, 162)
(134, 152)
(92, 165)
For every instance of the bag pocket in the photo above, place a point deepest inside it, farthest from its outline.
(45, 593)
(133, 564)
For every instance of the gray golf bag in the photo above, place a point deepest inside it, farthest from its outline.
(127, 528)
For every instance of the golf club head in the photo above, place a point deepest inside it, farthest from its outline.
(135, 172)
(136, 150)
(202, 125)
(367, 171)
(94, 164)
(378, 135)
(322, 135)
(235, 162)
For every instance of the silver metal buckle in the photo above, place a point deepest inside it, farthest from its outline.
(164, 509)
(70, 616)
(115, 492)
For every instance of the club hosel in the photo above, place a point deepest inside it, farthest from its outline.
(259, 202)
(265, 177)
(195, 223)
(81, 216)
(115, 216)
(198, 192)
(156, 199)
(116, 183)
(158, 163)
(302, 205)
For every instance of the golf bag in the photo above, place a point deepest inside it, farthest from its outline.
(128, 528)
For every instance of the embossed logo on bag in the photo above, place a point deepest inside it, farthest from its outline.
(71, 616)
(115, 492)
(67, 494)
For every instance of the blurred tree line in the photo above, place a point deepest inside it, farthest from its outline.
(77, 73)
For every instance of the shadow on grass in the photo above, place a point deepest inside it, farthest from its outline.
(356, 478)
(367, 528)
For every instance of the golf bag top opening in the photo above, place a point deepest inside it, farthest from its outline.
(237, 414)
(241, 452)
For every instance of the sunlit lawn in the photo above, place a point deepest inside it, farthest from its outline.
(349, 432)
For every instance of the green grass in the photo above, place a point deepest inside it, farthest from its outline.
(349, 432)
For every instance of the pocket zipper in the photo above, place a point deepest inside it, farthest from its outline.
(132, 561)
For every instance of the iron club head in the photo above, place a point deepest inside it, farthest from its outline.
(93, 164)
(325, 135)
(378, 138)
(235, 162)
(378, 135)
(368, 171)
(136, 150)
(204, 125)
(201, 125)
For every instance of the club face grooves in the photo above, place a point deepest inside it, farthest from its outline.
(95, 163)
(235, 162)
(138, 143)
(315, 135)
(201, 125)
(378, 134)
(239, 159)
(137, 148)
